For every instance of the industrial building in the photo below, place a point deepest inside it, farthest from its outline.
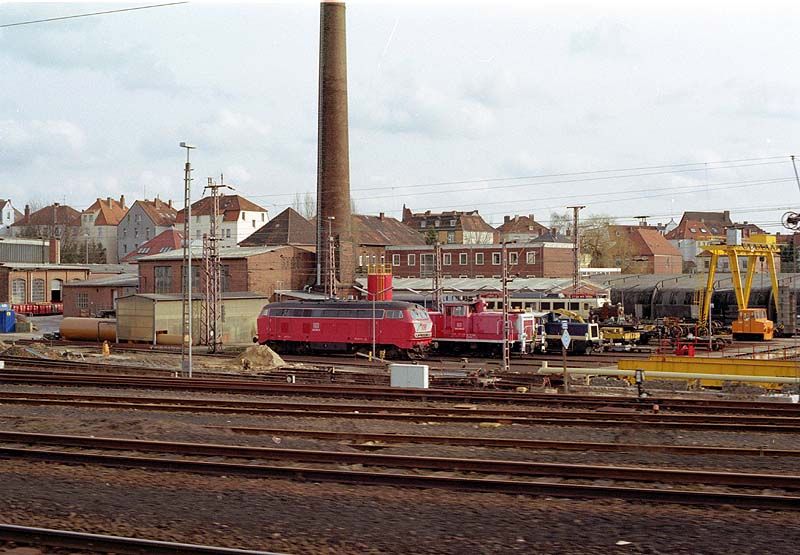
(97, 296)
(157, 319)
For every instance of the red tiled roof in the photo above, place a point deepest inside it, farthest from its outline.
(647, 241)
(165, 241)
(160, 213)
(230, 206)
(384, 230)
(55, 214)
(111, 211)
(701, 225)
(522, 224)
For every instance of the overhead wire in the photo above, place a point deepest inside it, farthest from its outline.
(76, 16)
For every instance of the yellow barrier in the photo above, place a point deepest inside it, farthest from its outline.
(720, 366)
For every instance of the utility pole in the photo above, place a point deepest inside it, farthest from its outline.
(330, 274)
(213, 271)
(186, 321)
(506, 323)
(576, 250)
(437, 277)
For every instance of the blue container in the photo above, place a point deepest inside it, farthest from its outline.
(7, 319)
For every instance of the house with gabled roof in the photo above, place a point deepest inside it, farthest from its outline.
(54, 221)
(287, 228)
(451, 227)
(237, 219)
(8, 215)
(641, 249)
(99, 223)
(143, 221)
(521, 228)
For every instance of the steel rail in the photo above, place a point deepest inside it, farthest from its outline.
(517, 487)
(475, 414)
(102, 543)
(509, 443)
(379, 392)
(486, 466)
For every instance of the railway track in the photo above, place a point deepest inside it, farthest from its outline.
(388, 474)
(374, 441)
(414, 413)
(258, 387)
(100, 543)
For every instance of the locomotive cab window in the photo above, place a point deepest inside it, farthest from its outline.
(394, 314)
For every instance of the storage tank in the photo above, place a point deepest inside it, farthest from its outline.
(89, 329)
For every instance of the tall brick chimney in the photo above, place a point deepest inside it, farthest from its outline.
(333, 158)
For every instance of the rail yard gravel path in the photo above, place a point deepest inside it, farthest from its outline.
(328, 518)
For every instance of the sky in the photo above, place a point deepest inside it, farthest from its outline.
(635, 109)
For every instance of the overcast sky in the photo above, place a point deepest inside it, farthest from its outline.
(439, 93)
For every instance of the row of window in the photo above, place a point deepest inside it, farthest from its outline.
(360, 313)
(436, 223)
(163, 278)
(19, 294)
(463, 259)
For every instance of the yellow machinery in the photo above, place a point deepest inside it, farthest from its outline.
(752, 322)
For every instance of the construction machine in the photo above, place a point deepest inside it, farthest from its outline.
(752, 323)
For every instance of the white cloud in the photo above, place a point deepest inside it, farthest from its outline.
(23, 142)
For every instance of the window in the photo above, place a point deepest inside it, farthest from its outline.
(147, 233)
(426, 265)
(82, 300)
(530, 257)
(360, 260)
(124, 231)
(263, 216)
(144, 250)
(395, 260)
(163, 275)
(124, 247)
(244, 216)
(136, 233)
(227, 233)
(138, 218)
(452, 223)
(197, 219)
(225, 278)
(574, 305)
(18, 291)
(513, 258)
(394, 314)
(451, 237)
(423, 223)
(496, 256)
(479, 258)
(254, 223)
(463, 258)
(197, 234)
(412, 260)
(447, 259)
(436, 223)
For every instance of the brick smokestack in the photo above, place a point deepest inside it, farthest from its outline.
(333, 158)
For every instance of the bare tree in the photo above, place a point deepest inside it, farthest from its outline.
(306, 206)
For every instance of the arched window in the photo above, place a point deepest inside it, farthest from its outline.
(37, 290)
(18, 291)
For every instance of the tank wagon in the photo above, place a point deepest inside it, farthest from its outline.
(468, 327)
(401, 329)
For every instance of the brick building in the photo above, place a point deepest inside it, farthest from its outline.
(452, 227)
(254, 269)
(375, 234)
(521, 228)
(548, 260)
(638, 249)
(26, 282)
(94, 297)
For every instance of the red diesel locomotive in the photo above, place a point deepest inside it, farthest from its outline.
(468, 327)
(401, 329)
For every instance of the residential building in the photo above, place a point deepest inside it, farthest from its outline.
(97, 296)
(143, 221)
(638, 249)
(238, 218)
(57, 220)
(698, 230)
(163, 242)
(8, 215)
(451, 228)
(254, 269)
(99, 223)
(531, 260)
(521, 228)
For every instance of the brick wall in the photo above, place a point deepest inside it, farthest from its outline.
(8, 275)
(97, 299)
(483, 261)
(286, 268)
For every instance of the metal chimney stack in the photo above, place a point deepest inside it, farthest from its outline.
(333, 158)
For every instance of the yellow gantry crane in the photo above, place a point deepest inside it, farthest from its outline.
(752, 322)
